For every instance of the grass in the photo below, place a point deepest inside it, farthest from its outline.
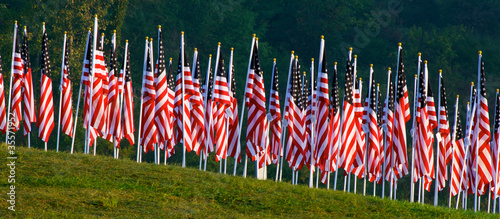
(50, 184)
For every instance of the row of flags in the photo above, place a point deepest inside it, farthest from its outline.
(366, 137)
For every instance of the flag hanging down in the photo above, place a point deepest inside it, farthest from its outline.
(348, 149)
(197, 119)
(223, 101)
(481, 136)
(234, 126)
(307, 94)
(495, 144)
(148, 128)
(275, 112)
(443, 136)
(296, 119)
(256, 102)
(380, 135)
(458, 172)
(334, 122)
(3, 118)
(28, 96)
(171, 141)
(161, 97)
(373, 153)
(388, 126)
(128, 98)
(182, 105)
(100, 78)
(210, 111)
(17, 79)
(66, 119)
(45, 122)
(113, 101)
(358, 164)
(322, 152)
(469, 131)
(86, 80)
(401, 116)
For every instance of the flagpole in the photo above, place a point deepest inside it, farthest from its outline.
(320, 63)
(183, 107)
(438, 150)
(378, 99)
(60, 92)
(366, 136)
(139, 148)
(215, 78)
(413, 130)
(284, 122)
(279, 149)
(464, 167)
(477, 138)
(113, 40)
(29, 133)
(341, 125)
(385, 127)
(14, 41)
(453, 139)
(91, 78)
(43, 32)
(227, 115)
(311, 171)
(207, 81)
(495, 172)
(244, 102)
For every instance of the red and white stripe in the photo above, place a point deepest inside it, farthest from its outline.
(198, 117)
(128, 107)
(67, 103)
(148, 135)
(275, 123)
(45, 122)
(17, 78)
(28, 96)
(3, 117)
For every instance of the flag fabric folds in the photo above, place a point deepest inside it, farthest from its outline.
(45, 122)
(67, 103)
(3, 118)
(148, 128)
(27, 89)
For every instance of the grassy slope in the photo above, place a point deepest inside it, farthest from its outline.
(51, 184)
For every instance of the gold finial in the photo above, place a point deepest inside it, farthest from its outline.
(468, 103)
(254, 35)
(274, 60)
(497, 90)
(147, 38)
(419, 54)
(296, 57)
(218, 43)
(355, 56)
(304, 73)
(399, 44)
(25, 27)
(440, 71)
(350, 48)
(195, 49)
(293, 52)
(90, 29)
(15, 22)
(170, 59)
(335, 63)
(378, 85)
(159, 26)
(371, 65)
(360, 79)
(114, 31)
(182, 32)
(256, 39)
(415, 75)
(102, 34)
(262, 72)
(126, 41)
(472, 83)
(425, 61)
(151, 39)
(43, 23)
(232, 48)
(458, 96)
(322, 37)
(389, 68)
(312, 59)
(210, 55)
(480, 52)
(95, 16)
(65, 32)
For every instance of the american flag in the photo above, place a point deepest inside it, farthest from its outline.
(401, 116)
(148, 129)
(3, 119)
(360, 149)
(183, 120)
(471, 158)
(161, 100)
(388, 122)
(373, 153)
(113, 102)
(100, 77)
(86, 79)
(18, 68)
(256, 102)
(495, 147)
(307, 94)
(86, 61)
(234, 126)
(481, 136)
(275, 111)
(296, 120)
(348, 149)
(381, 135)
(322, 152)
(223, 102)
(66, 119)
(444, 141)
(128, 96)
(424, 150)
(210, 111)
(45, 122)
(197, 119)
(171, 141)
(458, 157)
(334, 121)
(28, 96)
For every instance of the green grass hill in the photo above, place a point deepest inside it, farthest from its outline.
(55, 185)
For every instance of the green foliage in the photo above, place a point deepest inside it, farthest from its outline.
(55, 185)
